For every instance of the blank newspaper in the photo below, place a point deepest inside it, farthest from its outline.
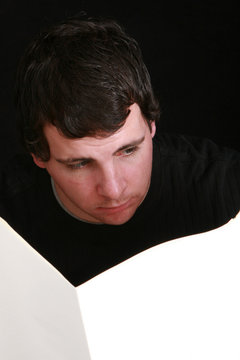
(177, 300)
(39, 310)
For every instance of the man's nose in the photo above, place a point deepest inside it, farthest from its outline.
(111, 183)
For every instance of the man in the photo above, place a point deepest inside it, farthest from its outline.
(104, 187)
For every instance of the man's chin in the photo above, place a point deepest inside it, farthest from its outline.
(119, 221)
(117, 215)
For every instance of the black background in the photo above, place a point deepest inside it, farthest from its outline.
(191, 48)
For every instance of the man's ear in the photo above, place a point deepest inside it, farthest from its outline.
(38, 161)
(153, 128)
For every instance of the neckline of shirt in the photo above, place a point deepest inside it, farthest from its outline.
(65, 209)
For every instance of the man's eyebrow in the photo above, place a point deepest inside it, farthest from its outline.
(131, 144)
(124, 147)
(72, 160)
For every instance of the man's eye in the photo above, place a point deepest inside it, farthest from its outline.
(79, 165)
(130, 150)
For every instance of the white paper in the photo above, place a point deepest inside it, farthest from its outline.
(39, 311)
(176, 301)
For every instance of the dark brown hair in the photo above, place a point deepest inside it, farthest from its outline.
(81, 75)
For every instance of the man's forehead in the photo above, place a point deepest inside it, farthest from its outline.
(91, 155)
(134, 125)
(132, 133)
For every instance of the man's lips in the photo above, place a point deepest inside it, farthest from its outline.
(115, 209)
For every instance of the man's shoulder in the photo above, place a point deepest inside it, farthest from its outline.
(17, 174)
(193, 148)
(199, 177)
(191, 161)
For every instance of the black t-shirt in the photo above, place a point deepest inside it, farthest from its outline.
(195, 187)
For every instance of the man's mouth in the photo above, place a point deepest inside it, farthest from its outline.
(115, 209)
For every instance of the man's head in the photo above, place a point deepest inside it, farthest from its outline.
(82, 83)
(102, 180)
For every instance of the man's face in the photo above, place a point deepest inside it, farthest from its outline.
(102, 180)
